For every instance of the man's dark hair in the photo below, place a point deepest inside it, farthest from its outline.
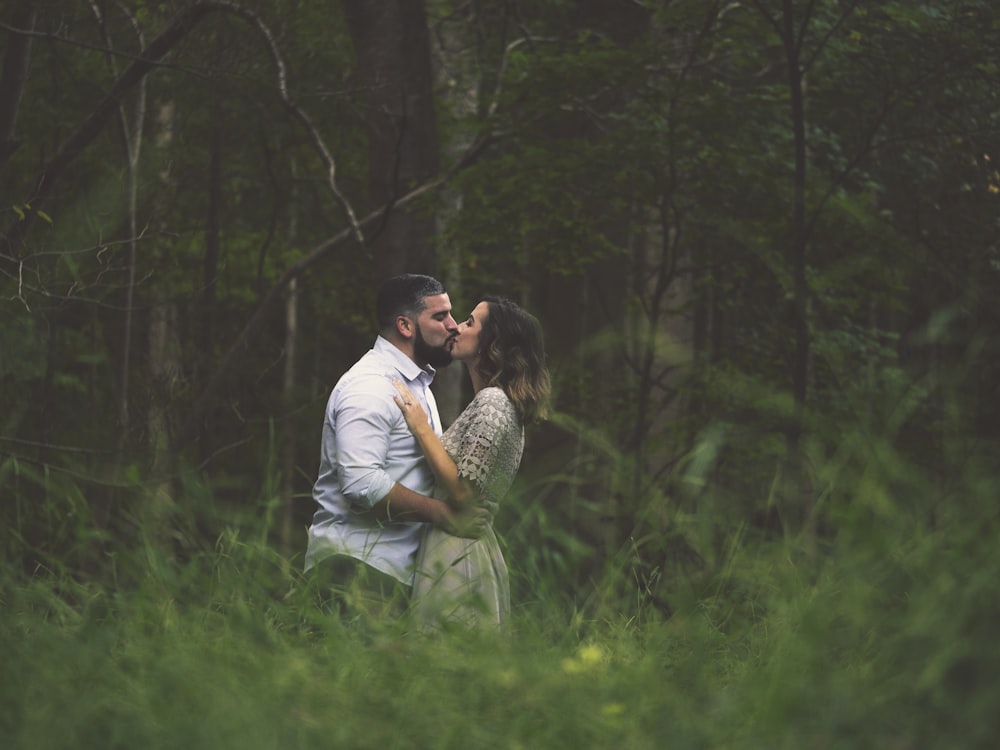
(404, 295)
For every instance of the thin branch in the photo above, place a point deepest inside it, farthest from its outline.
(52, 446)
(89, 478)
(867, 147)
(132, 130)
(504, 60)
(99, 248)
(807, 16)
(93, 125)
(769, 18)
(829, 34)
(299, 114)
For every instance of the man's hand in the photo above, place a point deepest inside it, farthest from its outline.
(470, 523)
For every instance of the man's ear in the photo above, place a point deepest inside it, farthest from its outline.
(404, 326)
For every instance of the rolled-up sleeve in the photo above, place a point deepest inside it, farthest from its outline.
(363, 426)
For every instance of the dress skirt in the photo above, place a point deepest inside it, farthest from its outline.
(460, 580)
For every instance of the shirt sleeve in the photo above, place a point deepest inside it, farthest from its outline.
(492, 430)
(364, 423)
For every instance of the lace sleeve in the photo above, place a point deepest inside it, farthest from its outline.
(489, 450)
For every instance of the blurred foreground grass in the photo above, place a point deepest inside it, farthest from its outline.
(885, 643)
(880, 631)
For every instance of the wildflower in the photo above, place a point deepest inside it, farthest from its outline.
(588, 657)
(591, 655)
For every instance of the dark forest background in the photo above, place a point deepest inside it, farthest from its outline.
(761, 237)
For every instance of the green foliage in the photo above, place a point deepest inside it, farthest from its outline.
(882, 634)
(669, 592)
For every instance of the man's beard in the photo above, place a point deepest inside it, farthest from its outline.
(435, 356)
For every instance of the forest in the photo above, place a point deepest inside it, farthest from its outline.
(762, 238)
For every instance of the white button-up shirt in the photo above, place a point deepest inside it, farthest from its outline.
(366, 448)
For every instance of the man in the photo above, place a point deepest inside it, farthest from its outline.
(374, 485)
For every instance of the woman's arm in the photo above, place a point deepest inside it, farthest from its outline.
(461, 492)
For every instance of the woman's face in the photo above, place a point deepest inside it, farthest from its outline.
(465, 346)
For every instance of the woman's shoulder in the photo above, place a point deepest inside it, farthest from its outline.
(493, 396)
(493, 403)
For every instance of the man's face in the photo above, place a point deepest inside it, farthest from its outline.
(435, 330)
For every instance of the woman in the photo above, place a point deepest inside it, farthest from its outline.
(476, 458)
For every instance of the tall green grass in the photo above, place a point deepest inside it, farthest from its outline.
(879, 633)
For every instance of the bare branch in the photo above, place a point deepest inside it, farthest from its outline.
(495, 101)
(299, 114)
(92, 126)
(829, 33)
(769, 18)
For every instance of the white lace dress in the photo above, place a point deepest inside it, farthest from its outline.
(465, 580)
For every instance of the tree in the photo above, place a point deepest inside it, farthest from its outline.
(743, 225)
(394, 70)
(14, 76)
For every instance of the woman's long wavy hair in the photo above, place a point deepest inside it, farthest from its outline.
(512, 357)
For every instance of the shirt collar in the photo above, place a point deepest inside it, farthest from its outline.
(406, 366)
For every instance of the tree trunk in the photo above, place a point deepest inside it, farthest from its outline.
(14, 76)
(800, 362)
(393, 51)
(795, 497)
(288, 436)
(213, 223)
(164, 363)
(131, 124)
(289, 426)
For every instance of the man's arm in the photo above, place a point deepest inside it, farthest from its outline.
(403, 504)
